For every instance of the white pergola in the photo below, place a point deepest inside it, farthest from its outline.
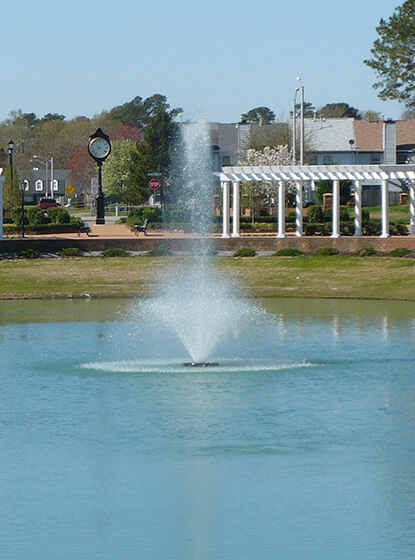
(303, 173)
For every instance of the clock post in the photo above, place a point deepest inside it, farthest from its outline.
(99, 149)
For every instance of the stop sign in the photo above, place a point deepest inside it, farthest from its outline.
(154, 184)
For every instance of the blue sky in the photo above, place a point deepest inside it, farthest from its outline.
(220, 58)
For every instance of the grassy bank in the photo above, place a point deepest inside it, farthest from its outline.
(321, 277)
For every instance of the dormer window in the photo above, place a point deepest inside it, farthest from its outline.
(39, 185)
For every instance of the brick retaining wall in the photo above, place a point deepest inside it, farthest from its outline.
(258, 242)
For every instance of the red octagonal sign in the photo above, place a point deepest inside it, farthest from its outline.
(154, 184)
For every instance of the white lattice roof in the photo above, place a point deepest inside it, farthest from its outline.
(317, 173)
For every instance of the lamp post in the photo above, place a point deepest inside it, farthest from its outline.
(46, 162)
(11, 148)
(295, 126)
(23, 188)
(301, 124)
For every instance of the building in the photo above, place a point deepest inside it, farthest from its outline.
(39, 185)
(343, 141)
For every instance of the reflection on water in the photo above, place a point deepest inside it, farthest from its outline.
(299, 445)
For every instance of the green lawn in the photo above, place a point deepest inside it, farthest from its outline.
(321, 277)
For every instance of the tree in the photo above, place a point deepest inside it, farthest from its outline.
(259, 192)
(259, 115)
(338, 111)
(11, 192)
(393, 56)
(370, 115)
(53, 117)
(278, 134)
(153, 155)
(82, 166)
(324, 187)
(408, 115)
(139, 113)
(308, 109)
(116, 173)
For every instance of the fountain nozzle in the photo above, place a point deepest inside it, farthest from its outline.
(200, 364)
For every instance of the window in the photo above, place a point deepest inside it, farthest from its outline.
(54, 185)
(39, 185)
(375, 159)
(327, 160)
(226, 160)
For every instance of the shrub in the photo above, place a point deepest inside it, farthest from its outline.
(398, 228)
(16, 216)
(177, 214)
(291, 216)
(365, 216)
(59, 216)
(115, 252)
(311, 229)
(366, 252)
(400, 252)
(70, 252)
(30, 253)
(153, 214)
(373, 227)
(315, 214)
(36, 216)
(159, 252)
(288, 252)
(245, 252)
(326, 251)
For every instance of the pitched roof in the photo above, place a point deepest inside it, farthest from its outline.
(328, 135)
(369, 135)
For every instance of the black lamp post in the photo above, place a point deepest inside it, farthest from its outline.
(11, 148)
(23, 188)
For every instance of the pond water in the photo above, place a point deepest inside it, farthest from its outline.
(300, 445)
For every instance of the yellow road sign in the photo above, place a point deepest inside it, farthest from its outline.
(69, 189)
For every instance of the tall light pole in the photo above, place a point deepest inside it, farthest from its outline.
(295, 126)
(46, 162)
(11, 148)
(301, 124)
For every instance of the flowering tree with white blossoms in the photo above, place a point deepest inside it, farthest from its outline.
(261, 193)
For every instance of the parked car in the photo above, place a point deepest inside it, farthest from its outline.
(45, 203)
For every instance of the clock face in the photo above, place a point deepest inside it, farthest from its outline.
(99, 148)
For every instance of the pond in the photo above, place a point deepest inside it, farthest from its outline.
(299, 445)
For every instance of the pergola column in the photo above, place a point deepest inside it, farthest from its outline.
(1, 205)
(281, 209)
(298, 208)
(385, 209)
(225, 208)
(336, 209)
(358, 208)
(235, 210)
(412, 209)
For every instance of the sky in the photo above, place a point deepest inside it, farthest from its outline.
(215, 58)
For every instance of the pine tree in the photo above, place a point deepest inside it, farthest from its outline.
(393, 55)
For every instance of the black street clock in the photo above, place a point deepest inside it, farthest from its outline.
(99, 145)
(99, 148)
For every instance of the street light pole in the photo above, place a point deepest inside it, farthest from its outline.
(46, 162)
(11, 148)
(295, 126)
(301, 125)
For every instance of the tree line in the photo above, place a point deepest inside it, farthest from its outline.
(144, 132)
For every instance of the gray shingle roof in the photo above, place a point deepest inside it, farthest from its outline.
(329, 135)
